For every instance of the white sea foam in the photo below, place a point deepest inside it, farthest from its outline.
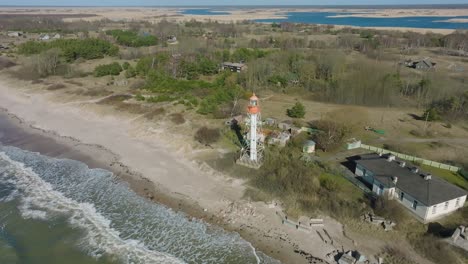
(116, 220)
(100, 236)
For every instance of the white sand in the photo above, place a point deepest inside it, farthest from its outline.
(141, 147)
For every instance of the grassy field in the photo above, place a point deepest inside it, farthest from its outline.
(447, 175)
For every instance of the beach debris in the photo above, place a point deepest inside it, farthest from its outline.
(352, 257)
(311, 259)
(460, 237)
(237, 210)
(377, 220)
(316, 222)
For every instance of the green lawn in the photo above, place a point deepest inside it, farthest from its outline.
(447, 175)
(346, 189)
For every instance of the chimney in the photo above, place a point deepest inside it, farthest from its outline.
(395, 180)
(390, 158)
(402, 164)
(427, 176)
(415, 170)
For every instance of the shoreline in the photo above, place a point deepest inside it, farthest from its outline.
(155, 14)
(222, 205)
(76, 150)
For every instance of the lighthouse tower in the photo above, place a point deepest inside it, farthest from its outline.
(252, 152)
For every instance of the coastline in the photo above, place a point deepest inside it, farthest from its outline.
(157, 14)
(222, 204)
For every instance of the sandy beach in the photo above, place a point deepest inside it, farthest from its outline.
(140, 155)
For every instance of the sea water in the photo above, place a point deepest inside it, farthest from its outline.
(60, 211)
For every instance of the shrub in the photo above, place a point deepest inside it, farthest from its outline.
(297, 111)
(130, 72)
(207, 136)
(132, 39)
(331, 134)
(107, 69)
(177, 118)
(329, 183)
(125, 65)
(139, 97)
(72, 49)
(46, 63)
(431, 114)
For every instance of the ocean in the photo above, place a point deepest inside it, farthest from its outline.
(328, 19)
(55, 210)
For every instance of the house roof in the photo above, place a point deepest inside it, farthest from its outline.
(428, 192)
(233, 64)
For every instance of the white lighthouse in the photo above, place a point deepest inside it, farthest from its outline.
(252, 152)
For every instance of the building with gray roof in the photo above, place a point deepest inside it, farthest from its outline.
(426, 196)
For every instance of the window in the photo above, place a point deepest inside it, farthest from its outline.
(457, 202)
(415, 204)
(434, 209)
(446, 205)
(402, 195)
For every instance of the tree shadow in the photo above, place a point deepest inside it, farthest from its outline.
(438, 230)
(237, 129)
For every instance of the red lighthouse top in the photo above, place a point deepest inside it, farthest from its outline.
(253, 105)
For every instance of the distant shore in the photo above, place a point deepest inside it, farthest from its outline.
(156, 14)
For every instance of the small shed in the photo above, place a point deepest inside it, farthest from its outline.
(309, 146)
(347, 258)
(280, 139)
(44, 37)
(233, 66)
(285, 125)
(270, 121)
(15, 34)
(353, 144)
(172, 39)
(295, 130)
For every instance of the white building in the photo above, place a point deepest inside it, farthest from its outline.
(428, 197)
(15, 34)
(44, 37)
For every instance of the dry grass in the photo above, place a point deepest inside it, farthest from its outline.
(6, 63)
(56, 86)
(394, 255)
(95, 92)
(154, 113)
(114, 99)
(80, 84)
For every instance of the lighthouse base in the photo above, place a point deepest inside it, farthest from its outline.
(245, 161)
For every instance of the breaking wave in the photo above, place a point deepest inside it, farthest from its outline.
(116, 221)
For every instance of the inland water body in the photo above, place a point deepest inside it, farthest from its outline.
(327, 18)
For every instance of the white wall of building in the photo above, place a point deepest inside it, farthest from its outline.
(423, 211)
(442, 209)
(408, 200)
